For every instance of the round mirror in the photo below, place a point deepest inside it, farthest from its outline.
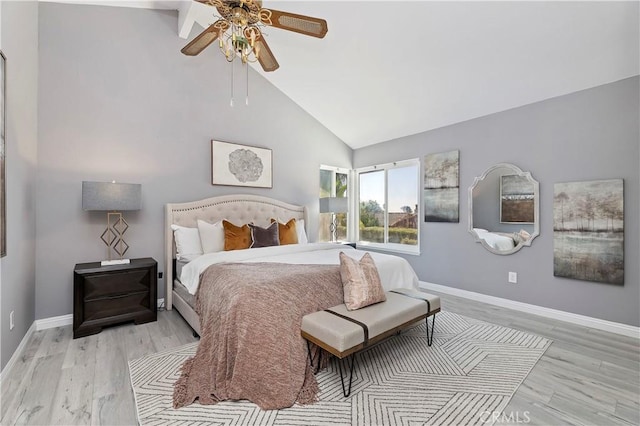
(504, 209)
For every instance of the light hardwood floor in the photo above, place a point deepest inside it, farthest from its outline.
(586, 377)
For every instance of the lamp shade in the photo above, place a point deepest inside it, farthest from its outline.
(334, 205)
(107, 196)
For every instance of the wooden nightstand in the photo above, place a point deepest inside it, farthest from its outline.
(107, 295)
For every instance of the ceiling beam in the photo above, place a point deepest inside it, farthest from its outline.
(186, 18)
(192, 12)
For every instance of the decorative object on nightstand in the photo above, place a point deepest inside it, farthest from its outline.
(107, 295)
(113, 198)
(349, 243)
(334, 205)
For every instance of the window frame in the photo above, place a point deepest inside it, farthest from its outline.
(355, 229)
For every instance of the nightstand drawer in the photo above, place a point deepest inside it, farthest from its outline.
(106, 285)
(117, 305)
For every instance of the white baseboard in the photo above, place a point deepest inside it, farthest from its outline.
(18, 352)
(53, 322)
(599, 324)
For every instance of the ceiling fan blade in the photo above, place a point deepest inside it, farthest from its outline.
(265, 56)
(205, 38)
(302, 24)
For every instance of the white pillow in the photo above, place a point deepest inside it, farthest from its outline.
(211, 236)
(302, 234)
(187, 241)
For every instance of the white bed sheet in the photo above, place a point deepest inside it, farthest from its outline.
(394, 271)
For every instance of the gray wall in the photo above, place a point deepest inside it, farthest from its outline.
(118, 101)
(588, 135)
(19, 42)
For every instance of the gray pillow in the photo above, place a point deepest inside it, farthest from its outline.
(264, 237)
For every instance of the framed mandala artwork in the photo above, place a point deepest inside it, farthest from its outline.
(240, 165)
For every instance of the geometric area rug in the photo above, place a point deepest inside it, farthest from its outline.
(469, 373)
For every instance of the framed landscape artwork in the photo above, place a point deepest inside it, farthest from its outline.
(442, 187)
(3, 183)
(517, 199)
(588, 231)
(240, 165)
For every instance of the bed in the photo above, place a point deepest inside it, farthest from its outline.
(258, 209)
(236, 209)
(227, 304)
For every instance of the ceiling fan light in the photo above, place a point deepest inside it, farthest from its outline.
(239, 16)
(251, 33)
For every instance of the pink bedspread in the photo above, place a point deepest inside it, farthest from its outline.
(250, 344)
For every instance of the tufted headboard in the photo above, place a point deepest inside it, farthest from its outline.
(238, 209)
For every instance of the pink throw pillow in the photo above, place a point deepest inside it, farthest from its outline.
(360, 281)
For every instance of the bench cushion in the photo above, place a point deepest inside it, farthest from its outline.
(434, 301)
(342, 334)
(333, 330)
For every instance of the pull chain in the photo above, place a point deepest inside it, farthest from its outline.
(232, 66)
(246, 101)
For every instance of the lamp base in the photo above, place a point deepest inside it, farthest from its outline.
(115, 262)
(333, 228)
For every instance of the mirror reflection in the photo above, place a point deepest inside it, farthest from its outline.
(503, 209)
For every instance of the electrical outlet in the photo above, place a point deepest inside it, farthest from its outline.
(160, 275)
(513, 277)
(11, 323)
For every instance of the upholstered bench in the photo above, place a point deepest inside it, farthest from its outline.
(344, 333)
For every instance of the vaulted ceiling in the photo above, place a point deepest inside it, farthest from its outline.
(388, 69)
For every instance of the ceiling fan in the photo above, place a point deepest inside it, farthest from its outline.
(239, 35)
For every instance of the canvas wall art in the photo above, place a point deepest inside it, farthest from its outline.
(442, 187)
(240, 165)
(588, 231)
(517, 199)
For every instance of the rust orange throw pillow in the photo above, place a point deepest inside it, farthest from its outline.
(287, 232)
(236, 237)
(360, 281)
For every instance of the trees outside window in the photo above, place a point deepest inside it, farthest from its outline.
(388, 199)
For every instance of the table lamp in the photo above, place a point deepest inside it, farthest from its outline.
(334, 205)
(113, 198)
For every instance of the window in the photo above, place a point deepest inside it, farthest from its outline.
(389, 196)
(334, 182)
